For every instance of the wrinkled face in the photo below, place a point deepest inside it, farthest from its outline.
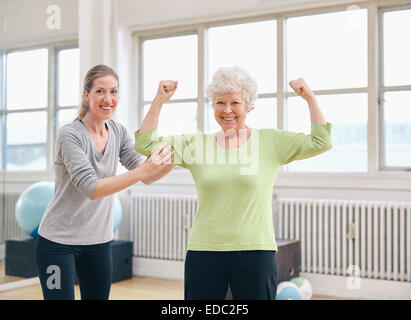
(230, 110)
(103, 97)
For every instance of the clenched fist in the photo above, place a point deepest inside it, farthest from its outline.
(166, 90)
(302, 89)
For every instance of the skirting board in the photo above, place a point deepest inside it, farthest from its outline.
(19, 284)
(323, 285)
(2, 251)
(358, 288)
(165, 269)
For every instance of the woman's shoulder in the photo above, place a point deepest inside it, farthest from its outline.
(269, 132)
(70, 130)
(118, 127)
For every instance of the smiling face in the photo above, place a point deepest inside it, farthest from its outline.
(230, 110)
(103, 97)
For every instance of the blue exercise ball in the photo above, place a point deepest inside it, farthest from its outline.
(287, 290)
(32, 204)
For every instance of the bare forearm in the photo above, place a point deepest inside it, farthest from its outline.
(115, 184)
(316, 115)
(165, 91)
(150, 121)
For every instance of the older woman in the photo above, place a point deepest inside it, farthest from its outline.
(232, 242)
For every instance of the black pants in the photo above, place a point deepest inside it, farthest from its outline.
(56, 265)
(250, 275)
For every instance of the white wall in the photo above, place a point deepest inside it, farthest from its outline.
(154, 13)
(104, 29)
(144, 15)
(24, 22)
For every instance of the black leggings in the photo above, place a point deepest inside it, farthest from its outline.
(250, 275)
(57, 263)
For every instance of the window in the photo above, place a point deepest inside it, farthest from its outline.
(253, 47)
(68, 85)
(395, 91)
(330, 53)
(330, 50)
(348, 115)
(166, 59)
(27, 105)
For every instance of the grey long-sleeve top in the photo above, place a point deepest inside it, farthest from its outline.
(72, 217)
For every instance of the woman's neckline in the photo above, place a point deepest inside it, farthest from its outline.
(101, 154)
(236, 148)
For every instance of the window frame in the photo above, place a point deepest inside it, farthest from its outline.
(282, 90)
(52, 107)
(382, 89)
(142, 102)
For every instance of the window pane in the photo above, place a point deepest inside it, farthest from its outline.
(172, 58)
(328, 50)
(176, 118)
(26, 149)
(251, 46)
(397, 49)
(66, 116)
(27, 73)
(397, 128)
(264, 115)
(69, 77)
(348, 115)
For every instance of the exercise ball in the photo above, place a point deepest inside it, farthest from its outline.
(304, 286)
(31, 205)
(287, 290)
(118, 213)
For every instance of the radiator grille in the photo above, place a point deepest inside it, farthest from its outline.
(8, 225)
(335, 235)
(373, 237)
(160, 225)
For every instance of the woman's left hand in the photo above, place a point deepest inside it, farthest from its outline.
(302, 89)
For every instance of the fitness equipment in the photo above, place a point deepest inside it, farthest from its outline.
(33, 202)
(287, 290)
(304, 286)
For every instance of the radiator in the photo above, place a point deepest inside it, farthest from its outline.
(336, 236)
(160, 225)
(339, 236)
(8, 225)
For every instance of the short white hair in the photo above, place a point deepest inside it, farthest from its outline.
(233, 79)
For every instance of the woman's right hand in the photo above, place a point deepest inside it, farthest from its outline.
(161, 156)
(166, 90)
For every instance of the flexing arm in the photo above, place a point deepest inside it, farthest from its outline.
(296, 146)
(165, 91)
(302, 89)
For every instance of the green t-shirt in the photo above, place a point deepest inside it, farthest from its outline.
(234, 186)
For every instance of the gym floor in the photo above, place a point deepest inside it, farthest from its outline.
(136, 288)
